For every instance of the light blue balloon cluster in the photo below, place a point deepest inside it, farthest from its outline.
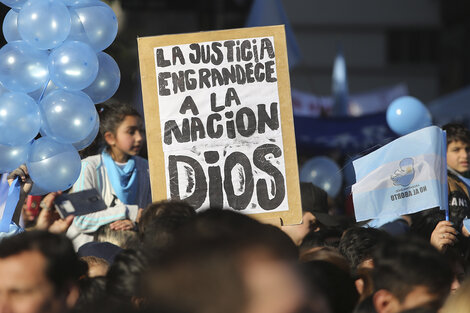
(52, 72)
(323, 172)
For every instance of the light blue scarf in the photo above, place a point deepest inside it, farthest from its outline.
(124, 180)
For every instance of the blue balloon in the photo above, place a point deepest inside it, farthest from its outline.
(3, 90)
(23, 68)
(99, 24)
(13, 156)
(15, 4)
(52, 165)
(38, 191)
(107, 80)
(67, 116)
(40, 94)
(407, 114)
(91, 137)
(44, 24)
(77, 32)
(73, 66)
(72, 3)
(324, 173)
(19, 119)
(10, 26)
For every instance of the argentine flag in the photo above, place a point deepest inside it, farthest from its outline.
(405, 176)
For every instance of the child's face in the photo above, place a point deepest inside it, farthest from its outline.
(458, 156)
(129, 138)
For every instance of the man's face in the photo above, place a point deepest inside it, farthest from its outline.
(458, 156)
(24, 287)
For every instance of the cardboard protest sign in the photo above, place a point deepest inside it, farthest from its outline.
(219, 121)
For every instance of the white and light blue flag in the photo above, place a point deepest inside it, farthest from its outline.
(9, 196)
(3, 192)
(405, 176)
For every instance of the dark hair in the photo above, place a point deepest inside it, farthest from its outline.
(106, 304)
(424, 222)
(123, 277)
(239, 229)
(62, 264)
(366, 305)
(336, 285)
(324, 237)
(91, 290)
(164, 217)
(358, 243)
(456, 132)
(208, 256)
(111, 115)
(327, 254)
(401, 264)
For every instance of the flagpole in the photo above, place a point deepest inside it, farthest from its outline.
(446, 192)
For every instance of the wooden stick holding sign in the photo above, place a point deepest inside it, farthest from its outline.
(219, 121)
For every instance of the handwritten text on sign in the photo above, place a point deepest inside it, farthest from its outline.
(221, 130)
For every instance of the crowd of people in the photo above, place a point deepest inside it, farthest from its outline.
(139, 256)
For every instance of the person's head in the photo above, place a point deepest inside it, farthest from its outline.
(457, 264)
(458, 147)
(409, 272)
(124, 239)
(237, 229)
(249, 265)
(335, 284)
(104, 250)
(123, 277)
(327, 254)
(357, 245)
(315, 240)
(92, 290)
(160, 220)
(364, 283)
(96, 266)
(122, 130)
(39, 272)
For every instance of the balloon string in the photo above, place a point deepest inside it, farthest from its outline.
(44, 90)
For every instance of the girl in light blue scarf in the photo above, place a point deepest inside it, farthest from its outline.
(117, 172)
